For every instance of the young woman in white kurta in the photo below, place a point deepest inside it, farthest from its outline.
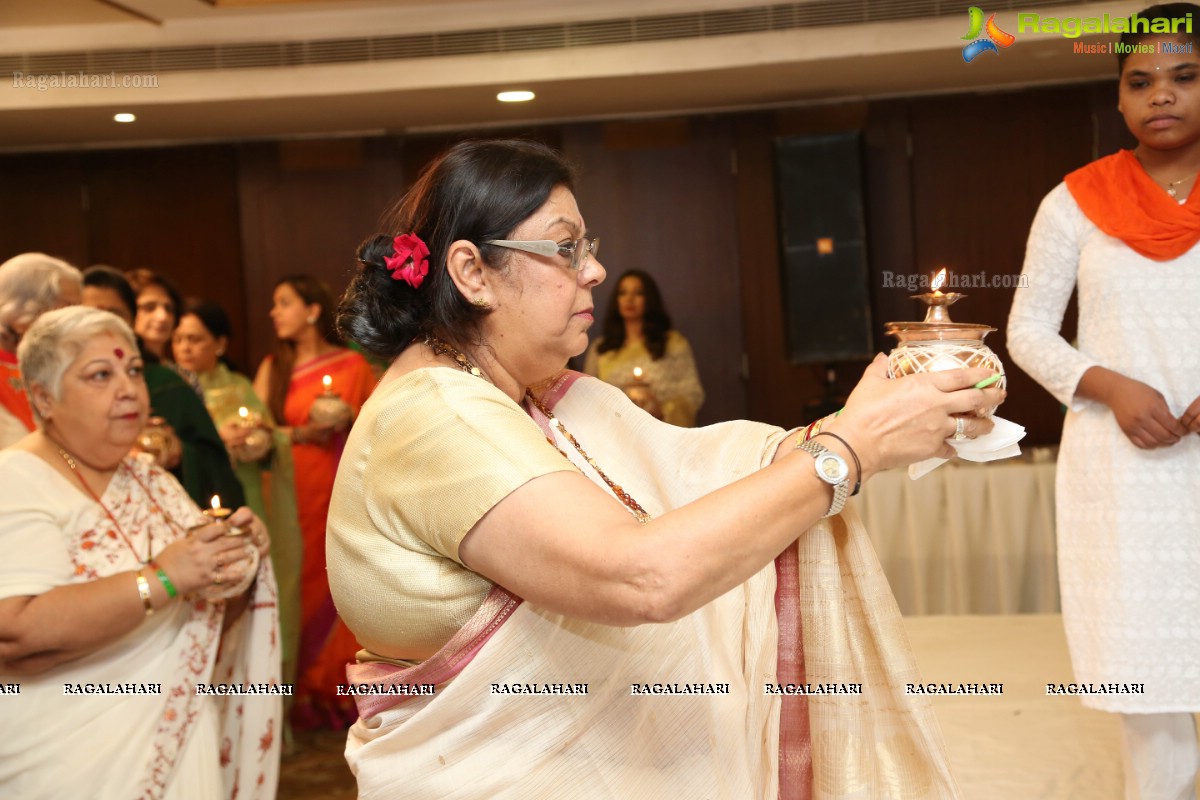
(1128, 502)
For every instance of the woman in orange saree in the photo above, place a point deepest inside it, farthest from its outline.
(308, 361)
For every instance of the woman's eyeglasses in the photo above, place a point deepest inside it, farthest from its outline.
(578, 250)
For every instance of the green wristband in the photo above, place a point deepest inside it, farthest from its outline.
(166, 582)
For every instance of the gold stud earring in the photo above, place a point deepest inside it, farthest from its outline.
(479, 302)
(311, 320)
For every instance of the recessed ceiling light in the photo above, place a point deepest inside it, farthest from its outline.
(515, 97)
(124, 117)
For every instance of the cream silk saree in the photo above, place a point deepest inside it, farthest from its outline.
(686, 709)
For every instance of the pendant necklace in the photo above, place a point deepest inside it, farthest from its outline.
(73, 464)
(441, 348)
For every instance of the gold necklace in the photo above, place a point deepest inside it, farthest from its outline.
(1172, 184)
(441, 348)
(72, 463)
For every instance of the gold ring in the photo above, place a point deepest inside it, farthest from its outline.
(216, 579)
(959, 429)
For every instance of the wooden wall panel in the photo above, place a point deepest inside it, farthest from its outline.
(890, 233)
(173, 210)
(660, 195)
(305, 207)
(980, 167)
(949, 180)
(43, 206)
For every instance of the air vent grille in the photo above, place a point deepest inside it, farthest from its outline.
(703, 24)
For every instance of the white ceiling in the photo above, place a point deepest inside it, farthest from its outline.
(779, 68)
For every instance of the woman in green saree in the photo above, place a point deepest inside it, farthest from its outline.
(262, 456)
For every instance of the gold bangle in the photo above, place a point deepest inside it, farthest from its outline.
(144, 592)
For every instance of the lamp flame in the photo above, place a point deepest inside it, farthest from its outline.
(243, 412)
(328, 381)
(939, 280)
(216, 501)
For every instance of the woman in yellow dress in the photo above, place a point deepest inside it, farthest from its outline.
(643, 354)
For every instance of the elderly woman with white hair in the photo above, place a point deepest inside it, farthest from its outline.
(30, 284)
(142, 633)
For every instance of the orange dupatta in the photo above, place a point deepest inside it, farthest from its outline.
(1120, 199)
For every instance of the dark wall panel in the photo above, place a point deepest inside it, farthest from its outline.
(173, 210)
(661, 197)
(43, 206)
(980, 167)
(951, 180)
(305, 207)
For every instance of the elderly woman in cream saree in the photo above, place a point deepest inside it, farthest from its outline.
(558, 595)
(703, 707)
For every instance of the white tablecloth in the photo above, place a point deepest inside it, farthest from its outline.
(967, 538)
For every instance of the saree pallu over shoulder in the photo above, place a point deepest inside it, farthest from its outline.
(884, 743)
(538, 704)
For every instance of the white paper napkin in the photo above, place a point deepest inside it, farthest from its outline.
(1000, 443)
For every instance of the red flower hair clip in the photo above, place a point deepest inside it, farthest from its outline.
(411, 260)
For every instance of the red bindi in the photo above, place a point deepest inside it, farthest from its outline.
(118, 352)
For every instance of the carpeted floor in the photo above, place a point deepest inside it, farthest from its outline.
(315, 768)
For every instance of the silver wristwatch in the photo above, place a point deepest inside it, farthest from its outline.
(832, 469)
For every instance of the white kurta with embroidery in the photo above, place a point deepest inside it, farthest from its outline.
(1128, 519)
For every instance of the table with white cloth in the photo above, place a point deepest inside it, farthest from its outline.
(967, 538)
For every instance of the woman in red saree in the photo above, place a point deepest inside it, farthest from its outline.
(288, 381)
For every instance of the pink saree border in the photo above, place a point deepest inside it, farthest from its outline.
(795, 741)
(443, 665)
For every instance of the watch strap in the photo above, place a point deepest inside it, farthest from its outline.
(841, 490)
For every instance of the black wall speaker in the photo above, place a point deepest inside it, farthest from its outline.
(827, 305)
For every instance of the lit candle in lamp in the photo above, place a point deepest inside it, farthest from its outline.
(244, 413)
(637, 374)
(939, 280)
(217, 512)
(329, 408)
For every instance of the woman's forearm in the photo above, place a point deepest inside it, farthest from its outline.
(691, 553)
(615, 571)
(1098, 384)
(69, 622)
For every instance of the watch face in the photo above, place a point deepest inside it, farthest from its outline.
(832, 468)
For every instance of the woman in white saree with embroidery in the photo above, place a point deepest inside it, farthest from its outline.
(120, 602)
(560, 596)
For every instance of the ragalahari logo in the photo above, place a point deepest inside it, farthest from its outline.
(995, 38)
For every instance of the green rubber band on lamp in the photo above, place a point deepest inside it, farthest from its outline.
(166, 582)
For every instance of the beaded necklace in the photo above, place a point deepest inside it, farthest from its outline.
(441, 348)
(72, 463)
